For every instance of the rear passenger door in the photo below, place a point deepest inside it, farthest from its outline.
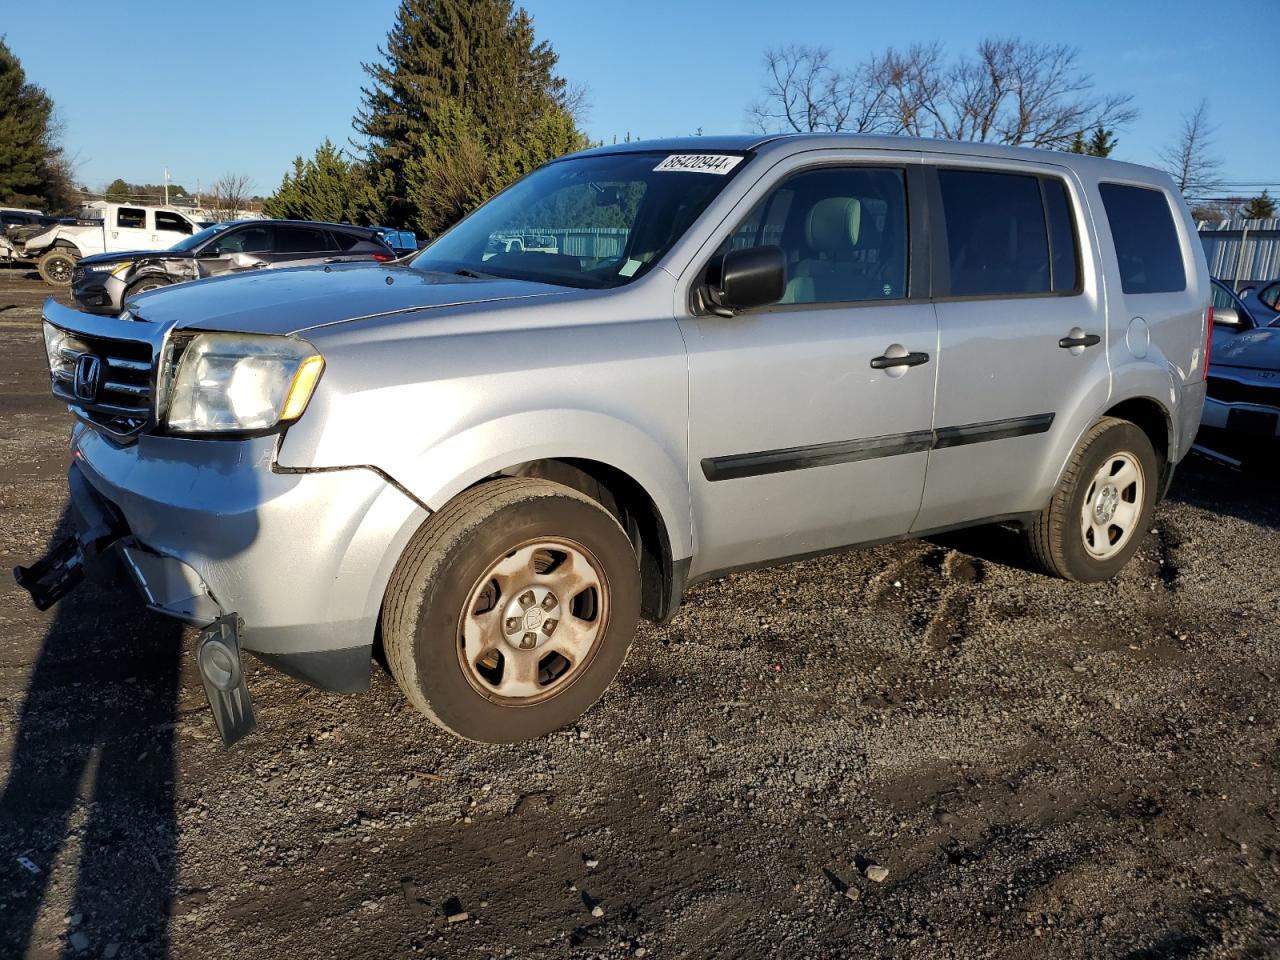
(1022, 338)
(129, 230)
(298, 246)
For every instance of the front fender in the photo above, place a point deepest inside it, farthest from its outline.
(441, 471)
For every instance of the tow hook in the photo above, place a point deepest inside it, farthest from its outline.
(51, 578)
(221, 670)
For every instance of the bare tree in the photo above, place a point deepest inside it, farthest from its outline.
(1012, 91)
(1189, 159)
(228, 196)
(805, 93)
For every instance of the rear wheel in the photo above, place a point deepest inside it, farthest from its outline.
(511, 610)
(1094, 523)
(55, 266)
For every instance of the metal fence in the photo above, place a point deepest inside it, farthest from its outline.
(1242, 252)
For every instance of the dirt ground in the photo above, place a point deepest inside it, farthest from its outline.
(1044, 769)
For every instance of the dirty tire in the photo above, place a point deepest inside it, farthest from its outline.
(1055, 539)
(432, 587)
(145, 284)
(56, 265)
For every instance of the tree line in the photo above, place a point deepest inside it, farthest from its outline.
(464, 98)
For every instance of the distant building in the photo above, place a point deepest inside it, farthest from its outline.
(1242, 253)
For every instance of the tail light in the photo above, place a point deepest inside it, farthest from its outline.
(1208, 341)
(383, 257)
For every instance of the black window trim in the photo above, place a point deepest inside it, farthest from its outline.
(940, 252)
(918, 258)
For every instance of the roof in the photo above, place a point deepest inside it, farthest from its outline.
(795, 142)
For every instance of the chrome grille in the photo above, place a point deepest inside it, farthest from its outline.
(107, 381)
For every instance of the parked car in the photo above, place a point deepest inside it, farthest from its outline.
(102, 283)
(1242, 410)
(1263, 301)
(495, 461)
(403, 242)
(124, 226)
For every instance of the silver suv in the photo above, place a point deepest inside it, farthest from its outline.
(721, 353)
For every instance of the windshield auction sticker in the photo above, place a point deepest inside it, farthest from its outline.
(717, 163)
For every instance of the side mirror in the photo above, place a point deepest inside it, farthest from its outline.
(741, 279)
(1228, 317)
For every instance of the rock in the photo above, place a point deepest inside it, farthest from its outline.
(597, 911)
(592, 864)
(852, 893)
(458, 917)
(79, 941)
(876, 873)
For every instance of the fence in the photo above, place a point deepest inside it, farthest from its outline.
(1242, 252)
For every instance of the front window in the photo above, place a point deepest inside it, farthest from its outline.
(593, 222)
(196, 239)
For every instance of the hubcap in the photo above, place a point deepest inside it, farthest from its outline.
(1112, 506)
(532, 622)
(60, 269)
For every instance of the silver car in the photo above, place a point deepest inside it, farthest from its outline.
(722, 353)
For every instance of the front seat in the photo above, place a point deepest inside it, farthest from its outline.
(831, 231)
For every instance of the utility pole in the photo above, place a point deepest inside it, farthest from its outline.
(166, 186)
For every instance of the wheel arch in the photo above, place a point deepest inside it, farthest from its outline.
(1153, 418)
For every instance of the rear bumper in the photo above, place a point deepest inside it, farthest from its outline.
(211, 529)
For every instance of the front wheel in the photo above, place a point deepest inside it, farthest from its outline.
(511, 610)
(145, 284)
(1094, 523)
(56, 265)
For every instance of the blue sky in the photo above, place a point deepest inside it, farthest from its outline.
(244, 87)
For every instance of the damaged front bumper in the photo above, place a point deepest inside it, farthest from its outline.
(290, 566)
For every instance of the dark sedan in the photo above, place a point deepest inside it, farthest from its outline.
(101, 284)
(1242, 411)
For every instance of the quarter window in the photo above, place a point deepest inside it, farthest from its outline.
(1145, 238)
(997, 240)
(131, 219)
(843, 231)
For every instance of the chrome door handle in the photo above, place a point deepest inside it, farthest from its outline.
(885, 362)
(1086, 340)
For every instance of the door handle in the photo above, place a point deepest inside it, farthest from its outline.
(1084, 340)
(906, 360)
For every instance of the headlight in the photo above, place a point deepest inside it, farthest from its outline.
(108, 267)
(121, 268)
(54, 341)
(232, 383)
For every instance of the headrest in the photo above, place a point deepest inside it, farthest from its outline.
(833, 225)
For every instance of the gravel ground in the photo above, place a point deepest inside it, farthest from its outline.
(1040, 769)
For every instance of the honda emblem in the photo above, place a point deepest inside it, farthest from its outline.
(88, 378)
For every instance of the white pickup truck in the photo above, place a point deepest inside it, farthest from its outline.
(105, 228)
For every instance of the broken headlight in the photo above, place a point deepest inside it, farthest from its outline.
(239, 383)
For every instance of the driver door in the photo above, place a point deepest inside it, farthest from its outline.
(802, 438)
(240, 248)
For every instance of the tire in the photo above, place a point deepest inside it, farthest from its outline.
(1115, 472)
(145, 284)
(511, 610)
(55, 266)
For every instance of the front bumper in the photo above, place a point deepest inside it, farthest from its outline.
(97, 292)
(211, 529)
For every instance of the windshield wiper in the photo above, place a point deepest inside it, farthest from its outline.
(464, 272)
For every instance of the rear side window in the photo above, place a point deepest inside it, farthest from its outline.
(997, 241)
(301, 240)
(345, 241)
(1145, 238)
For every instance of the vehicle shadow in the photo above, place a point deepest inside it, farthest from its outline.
(90, 783)
(1244, 494)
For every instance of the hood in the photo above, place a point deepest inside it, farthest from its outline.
(300, 298)
(1257, 349)
(125, 255)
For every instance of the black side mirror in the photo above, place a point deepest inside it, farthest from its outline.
(741, 279)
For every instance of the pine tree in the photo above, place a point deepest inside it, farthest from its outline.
(328, 186)
(1261, 207)
(33, 171)
(117, 189)
(1099, 144)
(465, 75)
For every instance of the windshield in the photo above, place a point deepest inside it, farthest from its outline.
(587, 222)
(190, 243)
